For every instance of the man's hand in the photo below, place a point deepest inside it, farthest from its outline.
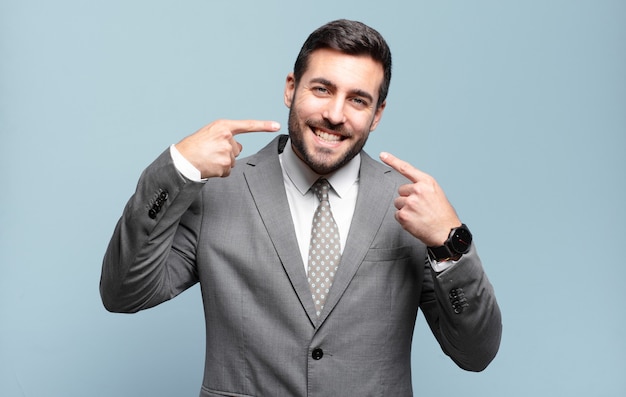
(423, 209)
(213, 148)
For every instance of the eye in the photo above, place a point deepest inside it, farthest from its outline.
(320, 90)
(360, 102)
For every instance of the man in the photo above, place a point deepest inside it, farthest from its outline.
(274, 325)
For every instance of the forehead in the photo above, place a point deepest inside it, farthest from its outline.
(352, 72)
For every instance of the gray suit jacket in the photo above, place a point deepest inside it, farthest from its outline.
(236, 237)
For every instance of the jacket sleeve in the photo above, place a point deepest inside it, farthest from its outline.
(151, 255)
(462, 312)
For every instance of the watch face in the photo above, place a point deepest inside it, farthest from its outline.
(461, 240)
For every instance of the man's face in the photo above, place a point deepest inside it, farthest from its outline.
(332, 109)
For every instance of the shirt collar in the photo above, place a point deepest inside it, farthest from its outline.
(304, 177)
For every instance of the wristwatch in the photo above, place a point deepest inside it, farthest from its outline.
(457, 244)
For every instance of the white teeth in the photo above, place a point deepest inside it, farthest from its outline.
(327, 137)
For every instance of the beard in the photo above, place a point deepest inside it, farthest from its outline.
(322, 160)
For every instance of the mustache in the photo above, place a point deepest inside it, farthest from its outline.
(327, 125)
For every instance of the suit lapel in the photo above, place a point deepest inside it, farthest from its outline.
(264, 177)
(375, 194)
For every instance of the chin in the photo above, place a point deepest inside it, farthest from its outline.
(324, 161)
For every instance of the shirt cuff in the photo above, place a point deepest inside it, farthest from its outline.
(439, 267)
(184, 166)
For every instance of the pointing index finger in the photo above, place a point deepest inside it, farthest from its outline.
(404, 168)
(245, 126)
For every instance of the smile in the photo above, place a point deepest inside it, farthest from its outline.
(326, 136)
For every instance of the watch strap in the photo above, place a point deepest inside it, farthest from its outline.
(441, 253)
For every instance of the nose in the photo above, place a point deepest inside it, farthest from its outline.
(334, 111)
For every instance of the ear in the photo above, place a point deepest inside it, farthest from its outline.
(378, 115)
(290, 89)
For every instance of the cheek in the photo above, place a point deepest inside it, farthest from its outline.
(361, 122)
(307, 108)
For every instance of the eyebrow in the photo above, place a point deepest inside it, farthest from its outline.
(357, 92)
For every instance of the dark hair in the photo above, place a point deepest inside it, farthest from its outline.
(352, 38)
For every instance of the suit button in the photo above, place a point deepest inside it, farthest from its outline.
(317, 354)
(152, 213)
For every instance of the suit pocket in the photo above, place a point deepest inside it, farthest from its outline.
(381, 274)
(204, 392)
(388, 254)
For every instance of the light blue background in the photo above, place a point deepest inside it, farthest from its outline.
(518, 108)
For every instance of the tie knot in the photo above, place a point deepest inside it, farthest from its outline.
(321, 188)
